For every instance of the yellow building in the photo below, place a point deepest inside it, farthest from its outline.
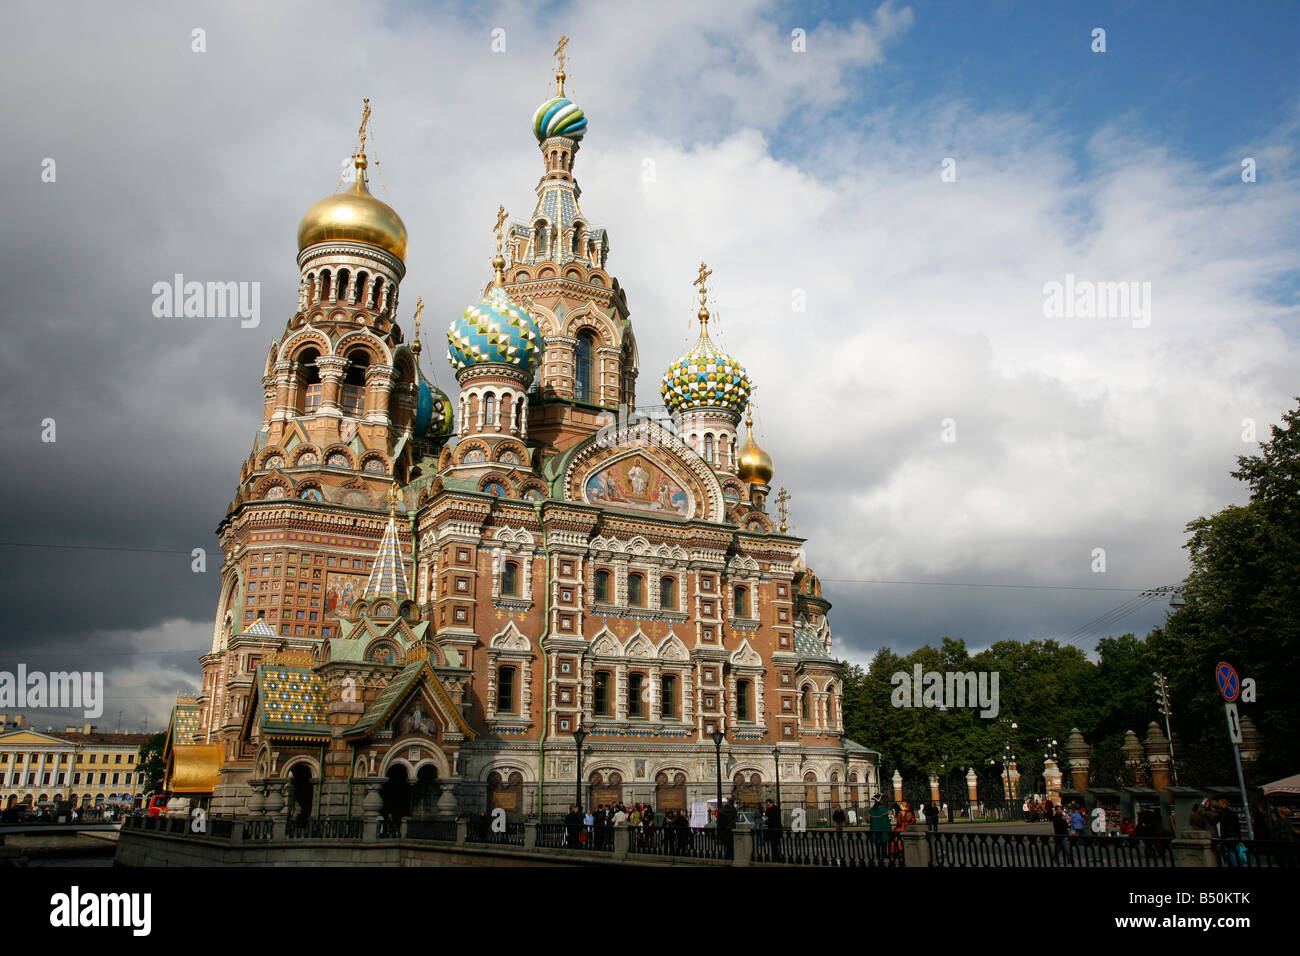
(84, 767)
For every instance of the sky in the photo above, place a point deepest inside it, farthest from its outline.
(885, 194)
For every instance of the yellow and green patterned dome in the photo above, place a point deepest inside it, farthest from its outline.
(705, 377)
(494, 332)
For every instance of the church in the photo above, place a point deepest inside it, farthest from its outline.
(532, 593)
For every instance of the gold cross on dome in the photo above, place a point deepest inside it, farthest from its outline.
(559, 53)
(365, 120)
(501, 221)
(392, 497)
(705, 272)
(784, 498)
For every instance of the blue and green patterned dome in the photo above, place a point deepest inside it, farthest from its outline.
(705, 377)
(433, 415)
(494, 332)
(559, 117)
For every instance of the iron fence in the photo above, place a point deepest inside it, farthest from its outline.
(696, 843)
(958, 849)
(480, 831)
(841, 848)
(444, 830)
(568, 837)
(325, 828)
(390, 829)
(257, 830)
(1257, 853)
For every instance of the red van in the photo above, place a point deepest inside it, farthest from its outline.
(157, 805)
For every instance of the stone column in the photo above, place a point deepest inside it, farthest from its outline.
(1133, 757)
(1052, 774)
(379, 382)
(331, 368)
(1077, 759)
(1157, 751)
(447, 805)
(898, 787)
(257, 802)
(972, 785)
(1249, 741)
(742, 842)
(934, 788)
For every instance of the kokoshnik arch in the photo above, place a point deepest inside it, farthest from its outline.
(426, 597)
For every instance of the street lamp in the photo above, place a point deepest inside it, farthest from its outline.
(579, 736)
(719, 735)
(776, 759)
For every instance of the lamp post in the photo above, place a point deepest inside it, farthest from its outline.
(579, 736)
(776, 759)
(719, 735)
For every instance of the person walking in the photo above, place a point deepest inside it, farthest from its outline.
(572, 826)
(773, 826)
(838, 818)
(1061, 830)
(878, 821)
(931, 813)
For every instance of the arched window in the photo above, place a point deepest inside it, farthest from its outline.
(353, 397)
(635, 705)
(805, 703)
(342, 291)
(636, 590)
(323, 289)
(600, 693)
(602, 587)
(311, 384)
(741, 595)
(668, 696)
(510, 578)
(582, 366)
(360, 293)
(708, 448)
(743, 703)
(506, 690)
(489, 410)
(668, 593)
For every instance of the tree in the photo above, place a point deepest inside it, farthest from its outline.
(1243, 606)
(150, 762)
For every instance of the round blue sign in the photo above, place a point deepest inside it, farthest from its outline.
(1229, 686)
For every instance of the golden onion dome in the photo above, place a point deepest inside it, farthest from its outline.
(354, 216)
(754, 466)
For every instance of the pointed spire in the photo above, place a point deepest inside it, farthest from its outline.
(388, 576)
(359, 157)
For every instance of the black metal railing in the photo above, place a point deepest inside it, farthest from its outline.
(1047, 850)
(390, 829)
(849, 848)
(328, 828)
(444, 830)
(483, 832)
(221, 829)
(559, 836)
(1257, 853)
(696, 843)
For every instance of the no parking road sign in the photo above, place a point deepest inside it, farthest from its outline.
(1229, 684)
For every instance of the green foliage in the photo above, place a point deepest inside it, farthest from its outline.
(151, 763)
(1243, 606)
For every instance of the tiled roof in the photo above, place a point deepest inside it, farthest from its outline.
(808, 646)
(292, 701)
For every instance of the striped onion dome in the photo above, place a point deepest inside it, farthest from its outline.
(559, 117)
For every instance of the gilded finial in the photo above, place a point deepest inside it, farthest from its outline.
(784, 498)
(416, 347)
(705, 272)
(392, 498)
(360, 158)
(499, 261)
(559, 64)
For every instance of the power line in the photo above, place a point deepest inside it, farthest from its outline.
(89, 547)
(963, 584)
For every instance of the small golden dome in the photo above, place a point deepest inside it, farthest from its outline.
(355, 216)
(754, 465)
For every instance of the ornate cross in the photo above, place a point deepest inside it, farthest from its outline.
(419, 310)
(392, 497)
(783, 497)
(365, 119)
(501, 221)
(705, 272)
(559, 53)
